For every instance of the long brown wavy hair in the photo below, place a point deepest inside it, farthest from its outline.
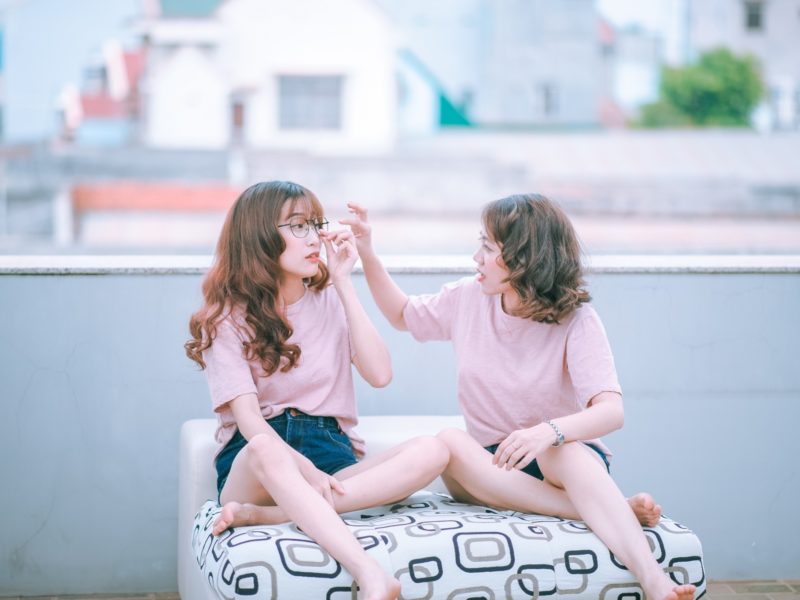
(542, 253)
(246, 276)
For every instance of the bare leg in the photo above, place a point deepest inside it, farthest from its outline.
(382, 479)
(471, 477)
(604, 509)
(264, 470)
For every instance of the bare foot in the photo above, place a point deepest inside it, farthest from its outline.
(377, 585)
(235, 515)
(645, 508)
(677, 592)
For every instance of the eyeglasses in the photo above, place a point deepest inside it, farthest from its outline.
(301, 227)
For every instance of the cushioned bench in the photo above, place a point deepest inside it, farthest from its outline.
(436, 547)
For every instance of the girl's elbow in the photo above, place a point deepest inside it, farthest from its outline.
(381, 380)
(399, 323)
(619, 417)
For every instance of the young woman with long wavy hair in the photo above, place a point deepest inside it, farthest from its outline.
(277, 334)
(536, 379)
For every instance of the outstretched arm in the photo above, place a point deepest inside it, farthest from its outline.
(391, 300)
(371, 356)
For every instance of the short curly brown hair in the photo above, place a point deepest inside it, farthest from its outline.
(541, 250)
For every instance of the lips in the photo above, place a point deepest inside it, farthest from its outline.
(480, 277)
(313, 257)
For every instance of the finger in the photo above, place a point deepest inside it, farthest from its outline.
(338, 236)
(514, 453)
(524, 461)
(343, 234)
(357, 227)
(504, 451)
(502, 460)
(348, 247)
(499, 453)
(337, 485)
(358, 210)
(330, 251)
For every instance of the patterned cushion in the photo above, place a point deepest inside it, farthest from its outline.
(439, 548)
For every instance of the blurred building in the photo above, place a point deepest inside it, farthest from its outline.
(306, 74)
(508, 62)
(47, 44)
(105, 110)
(769, 30)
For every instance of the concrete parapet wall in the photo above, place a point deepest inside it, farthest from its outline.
(95, 386)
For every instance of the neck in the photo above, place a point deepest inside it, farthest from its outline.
(292, 289)
(509, 301)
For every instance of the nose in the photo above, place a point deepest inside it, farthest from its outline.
(478, 257)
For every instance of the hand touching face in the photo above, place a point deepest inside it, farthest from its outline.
(341, 253)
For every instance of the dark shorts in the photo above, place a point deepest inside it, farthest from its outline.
(319, 439)
(533, 469)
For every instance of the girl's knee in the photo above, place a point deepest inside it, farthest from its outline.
(556, 459)
(434, 451)
(452, 436)
(567, 451)
(265, 454)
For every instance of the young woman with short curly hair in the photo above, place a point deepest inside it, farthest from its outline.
(536, 379)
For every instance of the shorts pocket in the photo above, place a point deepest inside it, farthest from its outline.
(340, 439)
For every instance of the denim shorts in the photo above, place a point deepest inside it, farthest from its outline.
(319, 439)
(533, 469)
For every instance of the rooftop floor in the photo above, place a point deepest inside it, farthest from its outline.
(717, 590)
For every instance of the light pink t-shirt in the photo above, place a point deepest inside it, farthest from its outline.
(321, 384)
(513, 372)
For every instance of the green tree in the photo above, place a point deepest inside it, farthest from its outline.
(722, 89)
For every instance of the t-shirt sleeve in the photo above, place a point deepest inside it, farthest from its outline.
(227, 371)
(430, 316)
(589, 359)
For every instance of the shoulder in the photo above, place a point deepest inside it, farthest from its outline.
(449, 295)
(325, 300)
(585, 311)
(232, 321)
(466, 287)
(584, 319)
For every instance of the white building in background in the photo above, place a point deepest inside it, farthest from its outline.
(306, 74)
(768, 29)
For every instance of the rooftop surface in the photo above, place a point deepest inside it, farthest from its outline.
(717, 590)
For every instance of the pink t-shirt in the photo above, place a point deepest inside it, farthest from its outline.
(513, 372)
(321, 384)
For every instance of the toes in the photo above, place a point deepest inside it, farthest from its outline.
(646, 500)
(220, 525)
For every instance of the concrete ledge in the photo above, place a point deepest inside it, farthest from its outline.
(431, 264)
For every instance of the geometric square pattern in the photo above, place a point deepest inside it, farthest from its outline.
(439, 549)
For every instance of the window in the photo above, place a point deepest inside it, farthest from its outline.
(237, 115)
(548, 100)
(754, 15)
(310, 102)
